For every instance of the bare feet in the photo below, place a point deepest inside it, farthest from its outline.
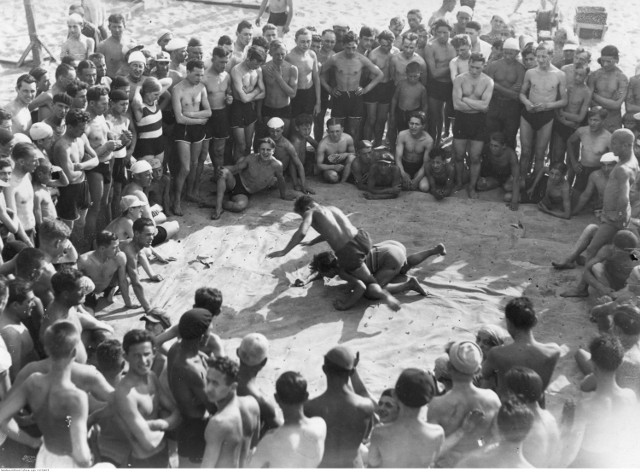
(563, 265)
(415, 286)
(193, 198)
(458, 187)
(473, 194)
(441, 249)
(217, 214)
(575, 293)
(392, 302)
(177, 209)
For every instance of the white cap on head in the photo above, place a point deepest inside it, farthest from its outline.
(608, 158)
(570, 47)
(511, 43)
(137, 56)
(465, 9)
(175, 44)
(75, 19)
(275, 123)
(40, 130)
(130, 201)
(141, 166)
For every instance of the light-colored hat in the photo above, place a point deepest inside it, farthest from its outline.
(75, 19)
(636, 116)
(163, 35)
(465, 9)
(137, 56)
(40, 130)
(570, 47)
(86, 284)
(162, 57)
(21, 138)
(465, 357)
(175, 44)
(275, 123)
(511, 43)
(130, 201)
(253, 349)
(140, 166)
(608, 158)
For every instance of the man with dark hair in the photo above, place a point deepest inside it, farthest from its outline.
(134, 250)
(77, 90)
(452, 409)
(186, 372)
(347, 415)
(139, 399)
(514, 421)
(609, 86)
(101, 69)
(525, 351)
(19, 107)
(347, 101)
(600, 433)
(192, 110)
(336, 153)
(103, 142)
(244, 33)
(12, 328)
(19, 196)
(68, 153)
(384, 178)
(307, 88)
(299, 442)
(438, 54)
(69, 290)
(59, 408)
(87, 72)
(106, 266)
(61, 105)
(412, 153)
(499, 167)
(234, 430)
(408, 441)
(280, 82)
(350, 244)
(116, 45)
(472, 93)
(472, 29)
(65, 74)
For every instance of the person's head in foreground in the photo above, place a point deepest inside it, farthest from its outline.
(606, 353)
(325, 264)
(143, 232)
(194, 324)
(291, 389)
(253, 351)
(520, 315)
(414, 388)
(490, 336)
(138, 346)
(525, 384)
(60, 341)
(625, 241)
(222, 379)
(465, 359)
(339, 363)
(302, 204)
(388, 407)
(514, 421)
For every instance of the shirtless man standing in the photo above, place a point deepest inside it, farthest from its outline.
(351, 245)
(336, 153)
(69, 153)
(543, 91)
(186, 372)
(248, 88)
(59, 408)
(438, 54)
(103, 142)
(233, 431)
(299, 443)
(19, 195)
(472, 93)
(280, 82)
(106, 267)
(114, 47)
(504, 109)
(347, 101)
(412, 153)
(307, 96)
(280, 14)
(287, 155)
(19, 106)
(139, 399)
(377, 101)
(347, 414)
(328, 42)
(609, 86)
(192, 110)
(217, 82)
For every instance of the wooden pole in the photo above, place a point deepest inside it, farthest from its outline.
(33, 34)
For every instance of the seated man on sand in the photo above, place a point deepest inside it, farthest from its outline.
(335, 154)
(412, 152)
(500, 168)
(287, 155)
(609, 270)
(384, 179)
(596, 183)
(301, 136)
(251, 174)
(386, 261)
(441, 173)
(107, 269)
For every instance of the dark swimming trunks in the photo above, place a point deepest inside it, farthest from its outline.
(381, 93)
(347, 105)
(440, 90)
(218, 124)
(238, 189)
(411, 167)
(103, 169)
(538, 120)
(191, 443)
(160, 237)
(580, 184)
(242, 114)
(470, 126)
(278, 19)
(303, 102)
(351, 256)
(283, 112)
(563, 130)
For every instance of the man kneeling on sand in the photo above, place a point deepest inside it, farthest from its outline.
(249, 175)
(388, 263)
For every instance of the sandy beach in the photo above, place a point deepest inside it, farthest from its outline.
(493, 253)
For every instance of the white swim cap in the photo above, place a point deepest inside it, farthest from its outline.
(275, 123)
(137, 56)
(511, 43)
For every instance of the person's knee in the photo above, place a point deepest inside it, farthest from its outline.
(507, 197)
(331, 176)
(423, 186)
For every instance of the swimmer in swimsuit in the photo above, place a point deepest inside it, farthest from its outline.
(557, 197)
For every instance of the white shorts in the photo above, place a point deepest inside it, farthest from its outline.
(48, 460)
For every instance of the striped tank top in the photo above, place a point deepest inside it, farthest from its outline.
(150, 126)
